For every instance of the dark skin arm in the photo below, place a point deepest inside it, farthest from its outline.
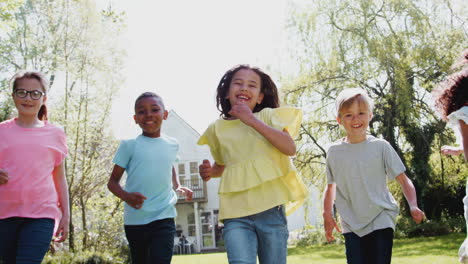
(134, 199)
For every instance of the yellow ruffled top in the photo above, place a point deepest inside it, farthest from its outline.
(257, 176)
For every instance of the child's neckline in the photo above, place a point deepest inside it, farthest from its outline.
(44, 124)
(368, 137)
(143, 136)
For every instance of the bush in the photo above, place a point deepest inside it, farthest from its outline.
(65, 257)
(313, 236)
(407, 228)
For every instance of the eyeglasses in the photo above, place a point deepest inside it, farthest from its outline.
(22, 93)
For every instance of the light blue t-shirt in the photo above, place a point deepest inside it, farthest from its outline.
(148, 163)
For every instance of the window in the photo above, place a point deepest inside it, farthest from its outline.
(194, 177)
(181, 172)
(191, 224)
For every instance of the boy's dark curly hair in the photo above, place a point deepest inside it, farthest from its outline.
(268, 88)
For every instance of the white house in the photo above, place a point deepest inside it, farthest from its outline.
(197, 220)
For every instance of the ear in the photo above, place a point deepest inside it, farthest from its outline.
(134, 118)
(165, 114)
(260, 98)
(44, 99)
(338, 119)
(371, 115)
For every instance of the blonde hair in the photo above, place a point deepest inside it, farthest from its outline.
(348, 96)
(42, 115)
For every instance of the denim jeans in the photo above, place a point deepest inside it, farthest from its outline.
(152, 243)
(374, 248)
(264, 234)
(25, 240)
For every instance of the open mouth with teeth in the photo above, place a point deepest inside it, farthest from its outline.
(243, 97)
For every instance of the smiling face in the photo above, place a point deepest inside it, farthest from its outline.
(355, 119)
(245, 87)
(149, 115)
(27, 106)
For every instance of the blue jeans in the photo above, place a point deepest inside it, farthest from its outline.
(25, 240)
(151, 243)
(264, 234)
(374, 248)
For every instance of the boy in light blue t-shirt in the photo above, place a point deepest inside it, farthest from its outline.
(149, 195)
(358, 167)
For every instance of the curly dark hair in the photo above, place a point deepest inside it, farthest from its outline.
(268, 88)
(452, 94)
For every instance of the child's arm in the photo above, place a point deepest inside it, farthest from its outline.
(280, 139)
(3, 177)
(134, 199)
(329, 222)
(450, 150)
(176, 185)
(61, 186)
(207, 171)
(464, 133)
(410, 195)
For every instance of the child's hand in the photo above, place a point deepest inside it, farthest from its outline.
(329, 223)
(135, 199)
(3, 177)
(242, 111)
(62, 230)
(417, 214)
(450, 150)
(185, 191)
(205, 170)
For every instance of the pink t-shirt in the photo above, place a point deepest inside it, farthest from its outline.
(29, 155)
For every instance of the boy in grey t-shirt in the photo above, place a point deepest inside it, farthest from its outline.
(358, 167)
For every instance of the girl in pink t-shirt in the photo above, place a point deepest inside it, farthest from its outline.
(33, 187)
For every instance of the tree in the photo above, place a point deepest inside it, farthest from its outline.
(395, 50)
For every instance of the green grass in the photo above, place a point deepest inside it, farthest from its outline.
(427, 250)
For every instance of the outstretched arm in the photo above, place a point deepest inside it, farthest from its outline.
(134, 199)
(329, 222)
(62, 190)
(451, 150)
(278, 138)
(410, 194)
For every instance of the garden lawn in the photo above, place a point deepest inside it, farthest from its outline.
(421, 250)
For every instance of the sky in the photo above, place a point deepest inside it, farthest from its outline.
(181, 49)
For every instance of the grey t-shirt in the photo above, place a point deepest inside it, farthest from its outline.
(360, 172)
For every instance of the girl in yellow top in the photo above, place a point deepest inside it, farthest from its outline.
(251, 144)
